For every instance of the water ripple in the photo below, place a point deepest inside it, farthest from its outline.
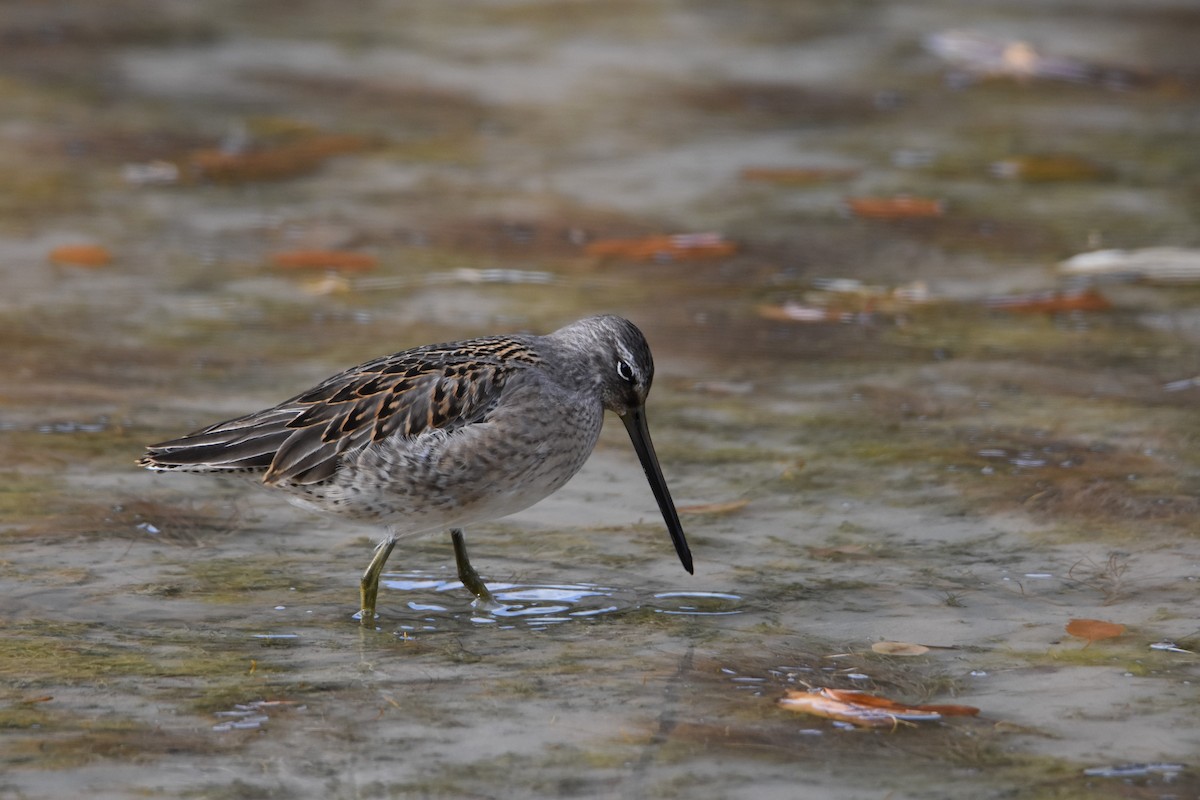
(441, 603)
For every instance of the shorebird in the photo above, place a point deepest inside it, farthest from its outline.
(443, 436)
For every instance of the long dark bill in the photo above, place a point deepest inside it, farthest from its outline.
(635, 423)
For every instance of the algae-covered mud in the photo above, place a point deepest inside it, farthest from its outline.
(900, 398)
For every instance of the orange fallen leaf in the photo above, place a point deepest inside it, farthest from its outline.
(1094, 629)
(798, 176)
(867, 710)
(344, 260)
(899, 649)
(874, 700)
(899, 207)
(273, 162)
(715, 508)
(1052, 302)
(818, 705)
(81, 255)
(677, 247)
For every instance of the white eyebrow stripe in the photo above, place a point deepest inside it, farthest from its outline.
(627, 357)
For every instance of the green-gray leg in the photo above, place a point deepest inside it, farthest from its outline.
(466, 573)
(370, 580)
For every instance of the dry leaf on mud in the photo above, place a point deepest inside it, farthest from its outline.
(271, 162)
(899, 649)
(867, 710)
(899, 207)
(1094, 629)
(1052, 302)
(677, 247)
(81, 255)
(715, 508)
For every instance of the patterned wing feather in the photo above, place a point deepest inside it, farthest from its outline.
(244, 444)
(303, 439)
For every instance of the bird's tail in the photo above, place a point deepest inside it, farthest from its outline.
(239, 445)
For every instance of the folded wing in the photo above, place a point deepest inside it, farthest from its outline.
(304, 439)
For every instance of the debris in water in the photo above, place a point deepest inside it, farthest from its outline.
(983, 56)
(1051, 302)
(892, 208)
(847, 300)
(1149, 264)
(677, 247)
(275, 161)
(867, 710)
(1135, 770)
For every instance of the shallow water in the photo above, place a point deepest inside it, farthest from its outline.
(883, 420)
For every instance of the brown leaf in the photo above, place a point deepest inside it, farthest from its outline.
(852, 696)
(678, 247)
(866, 710)
(899, 207)
(1054, 302)
(1094, 629)
(276, 162)
(81, 255)
(819, 705)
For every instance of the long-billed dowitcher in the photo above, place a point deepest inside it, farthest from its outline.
(443, 436)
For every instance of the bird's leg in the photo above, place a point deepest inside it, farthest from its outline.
(466, 573)
(370, 579)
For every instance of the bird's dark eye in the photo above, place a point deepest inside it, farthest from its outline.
(624, 371)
